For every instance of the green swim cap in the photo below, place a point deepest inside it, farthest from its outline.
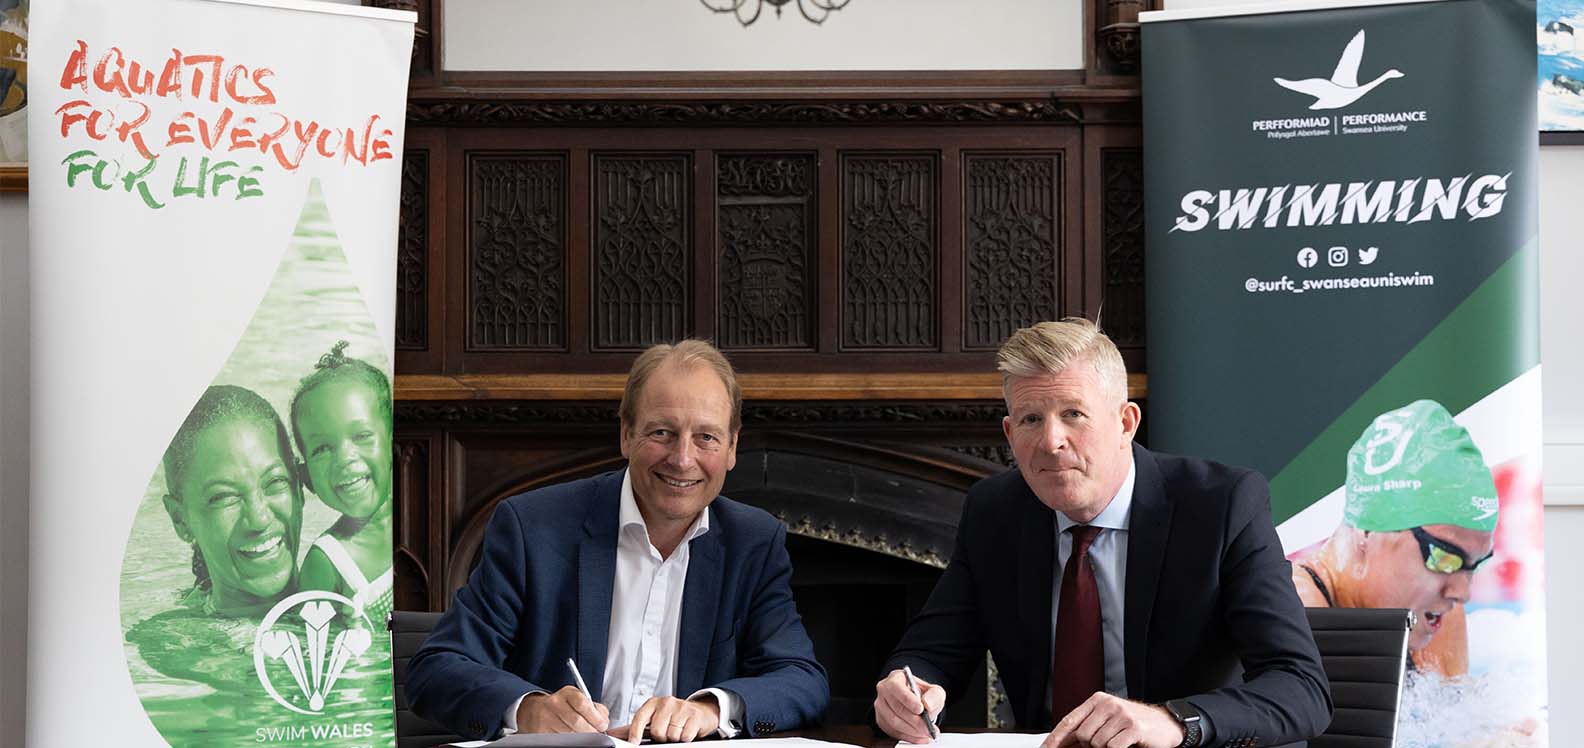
(1414, 466)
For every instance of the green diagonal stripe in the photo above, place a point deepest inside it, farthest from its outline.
(1487, 341)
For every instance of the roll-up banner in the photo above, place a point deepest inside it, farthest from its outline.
(1342, 294)
(213, 209)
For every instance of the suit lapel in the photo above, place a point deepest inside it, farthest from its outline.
(596, 580)
(700, 601)
(1035, 574)
(1148, 529)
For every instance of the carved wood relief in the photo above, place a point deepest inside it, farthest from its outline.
(889, 251)
(411, 497)
(412, 254)
(1122, 172)
(1010, 206)
(516, 237)
(766, 223)
(642, 248)
(1040, 110)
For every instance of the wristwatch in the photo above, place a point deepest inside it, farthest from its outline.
(1189, 717)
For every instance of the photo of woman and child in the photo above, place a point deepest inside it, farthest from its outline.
(281, 449)
(235, 491)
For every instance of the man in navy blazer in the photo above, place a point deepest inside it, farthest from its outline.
(1129, 598)
(674, 602)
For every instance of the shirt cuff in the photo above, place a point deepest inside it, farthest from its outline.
(731, 710)
(509, 720)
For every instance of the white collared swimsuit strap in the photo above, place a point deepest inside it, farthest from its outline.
(375, 598)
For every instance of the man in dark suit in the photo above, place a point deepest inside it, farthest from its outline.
(1120, 591)
(673, 601)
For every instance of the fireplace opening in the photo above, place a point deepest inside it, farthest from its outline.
(855, 605)
(870, 529)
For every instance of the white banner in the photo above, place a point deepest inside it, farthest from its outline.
(213, 210)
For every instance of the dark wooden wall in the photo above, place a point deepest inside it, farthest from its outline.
(858, 244)
(829, 249)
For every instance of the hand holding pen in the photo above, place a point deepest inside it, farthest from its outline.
(929, 722)
(904, 703)
(570, 709)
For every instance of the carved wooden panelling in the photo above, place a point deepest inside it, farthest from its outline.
(1001, 454)
(516, 252)
(967, 414)
(642, 248)
(835, 112)
(765, 218)
(1122, 243)
(411, 502)
(889, 249)
(1010, 206)
(412, 253)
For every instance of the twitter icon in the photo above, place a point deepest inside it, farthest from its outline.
(1367, 256)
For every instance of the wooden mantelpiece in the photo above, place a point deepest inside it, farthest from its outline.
(755, 386)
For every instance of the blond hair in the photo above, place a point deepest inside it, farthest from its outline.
(686, 354)
(1047, 348)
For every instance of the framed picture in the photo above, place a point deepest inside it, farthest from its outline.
(13, 94)
(1560, 30)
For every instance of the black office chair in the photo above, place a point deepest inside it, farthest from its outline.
(1364, 652)
(409, 629)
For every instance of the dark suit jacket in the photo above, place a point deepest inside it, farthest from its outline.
(542, 593)
(1207, 589)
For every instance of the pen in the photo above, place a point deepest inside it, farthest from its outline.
(929, 724)
(572, 665)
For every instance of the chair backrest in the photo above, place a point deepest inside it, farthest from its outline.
(409, 629)
(1364, 652)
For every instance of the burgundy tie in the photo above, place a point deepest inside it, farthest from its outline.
(1078, 664)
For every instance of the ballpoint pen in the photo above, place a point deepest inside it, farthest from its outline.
(572, 665)
(929, 724)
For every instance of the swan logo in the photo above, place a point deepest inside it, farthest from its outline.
(303, 649)
(1343, 87)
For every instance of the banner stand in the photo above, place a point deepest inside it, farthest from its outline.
(214, 191)
(1342, 294)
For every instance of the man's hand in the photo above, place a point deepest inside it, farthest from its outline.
(566, 710)
(672, 720)
(1106, 721)
(897, 709)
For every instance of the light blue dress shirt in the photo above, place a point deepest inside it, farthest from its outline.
(1108, 558)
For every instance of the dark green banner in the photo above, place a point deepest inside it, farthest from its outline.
(1341, 231)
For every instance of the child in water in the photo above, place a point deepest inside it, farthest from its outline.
(341, 418)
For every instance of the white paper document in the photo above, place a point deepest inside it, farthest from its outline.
(981, 740)
(790, 743)
(550, 740)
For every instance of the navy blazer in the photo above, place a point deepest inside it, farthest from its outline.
(542, 591)
(1209, 609)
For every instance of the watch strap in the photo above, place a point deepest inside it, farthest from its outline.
(1191, 720)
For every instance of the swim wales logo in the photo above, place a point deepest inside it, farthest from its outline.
(1340, 90)
(315, 642)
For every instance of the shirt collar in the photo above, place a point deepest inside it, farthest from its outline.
(629, 516)
(1117, 514)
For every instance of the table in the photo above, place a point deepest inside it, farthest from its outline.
(859, 735)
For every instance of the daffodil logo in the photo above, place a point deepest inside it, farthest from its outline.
(312, 637)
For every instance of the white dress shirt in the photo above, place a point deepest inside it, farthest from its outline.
(1108, 558)
(646, 622)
